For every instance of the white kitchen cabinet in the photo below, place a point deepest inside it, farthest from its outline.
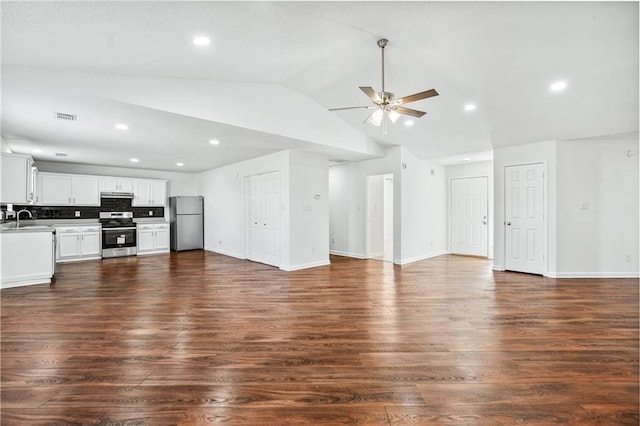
(116, 184)
(18, 179)
(78, 243)
(27, 258)
(149, 192)
(63, 189)
(153, 238)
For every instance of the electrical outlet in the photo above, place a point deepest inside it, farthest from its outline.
(333, 240)
(627, 258)
(77, 213)
(220, 242)
(150, 212)
(313, 249)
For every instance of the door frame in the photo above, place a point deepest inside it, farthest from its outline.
(489, 218)
(545, 214)
(367, 255)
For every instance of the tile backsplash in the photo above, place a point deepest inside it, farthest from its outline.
(84, 212)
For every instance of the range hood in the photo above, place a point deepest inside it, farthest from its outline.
(116, 195)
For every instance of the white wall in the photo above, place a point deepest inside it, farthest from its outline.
(419, 214)
(4, 146)
(309, 211)
(224, 203)
(468, 170)
(597, 208)
(423, 212)
(539, 152)
(347, 198)
(177, 183)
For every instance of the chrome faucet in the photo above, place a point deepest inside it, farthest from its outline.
(18, 216)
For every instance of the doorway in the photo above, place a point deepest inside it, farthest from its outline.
(469, 216)
(525, 227)
(262, 198)
(379, 232)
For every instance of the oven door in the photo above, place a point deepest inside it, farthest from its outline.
(113, 238)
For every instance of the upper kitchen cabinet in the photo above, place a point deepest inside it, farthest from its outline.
(149, 192)
(62, 189)
(18, 179)
(116, 184)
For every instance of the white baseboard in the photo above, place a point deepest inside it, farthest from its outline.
(226, 253)
(419, 258)
(346, 254)
(593, 275)
(290, 268)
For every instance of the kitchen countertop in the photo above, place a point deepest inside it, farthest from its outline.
(26, 228)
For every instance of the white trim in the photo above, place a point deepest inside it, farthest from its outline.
(377, 254)
(498, 268)
(25, 282)
(593, 275)
(347, 254)
(226, 253)
(305, 266)
(419, 258)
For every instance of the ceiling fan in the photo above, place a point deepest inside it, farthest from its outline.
(384, 102)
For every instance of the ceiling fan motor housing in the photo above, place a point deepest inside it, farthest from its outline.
(385, 97)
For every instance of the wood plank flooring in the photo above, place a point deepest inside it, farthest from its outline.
(197, 338)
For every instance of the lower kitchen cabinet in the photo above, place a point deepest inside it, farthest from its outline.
(27, 258)
(153, 238)
(78, 243)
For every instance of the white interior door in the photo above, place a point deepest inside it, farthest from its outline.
(524, 218)
(264, 218)
(469, 219)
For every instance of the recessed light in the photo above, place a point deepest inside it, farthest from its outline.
(179, 164)
(469, 107)
(201, 41)
(558, 86)
(134, 160)
(466, 159)
(408, 123)
(214, 142)
(37, 150)
(121, 126)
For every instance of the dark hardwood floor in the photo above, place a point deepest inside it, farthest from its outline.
(195, 337)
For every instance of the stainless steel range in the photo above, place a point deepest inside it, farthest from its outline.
(118, 234)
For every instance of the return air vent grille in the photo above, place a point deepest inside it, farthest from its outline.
(67, 117)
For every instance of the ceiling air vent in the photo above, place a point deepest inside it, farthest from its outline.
(67, 117)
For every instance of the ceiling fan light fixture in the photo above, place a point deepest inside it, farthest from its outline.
(393, 116)
(376, 117)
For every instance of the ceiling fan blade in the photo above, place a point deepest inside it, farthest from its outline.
(408, 111)
(358, 107)
(416, 97)
(371, 94)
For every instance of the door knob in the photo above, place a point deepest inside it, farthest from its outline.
(508, 223)
(484, 222)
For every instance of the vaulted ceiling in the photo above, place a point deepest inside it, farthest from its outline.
(273, 69)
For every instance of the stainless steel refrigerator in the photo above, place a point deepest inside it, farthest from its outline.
(187, 223)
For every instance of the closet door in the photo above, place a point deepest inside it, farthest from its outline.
(264, 222)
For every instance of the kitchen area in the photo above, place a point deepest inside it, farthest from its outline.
(49, 218)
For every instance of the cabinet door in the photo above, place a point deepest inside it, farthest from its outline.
(145, 239)
(142, 192)
(86, 191)
(125, 185)
(55, 189)
(162, 238)
(14, 179)
(108, 184)
(90, 243)
(158, 193)
(68, 243)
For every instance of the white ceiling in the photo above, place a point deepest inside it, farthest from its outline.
(274, 68)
